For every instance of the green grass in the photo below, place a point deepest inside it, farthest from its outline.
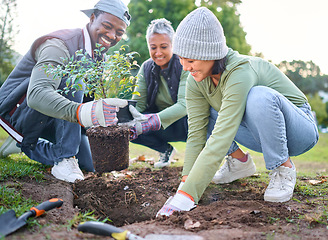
(137, 150)
(84, 217)
(3, 135)
(19, 166)
(11, 199)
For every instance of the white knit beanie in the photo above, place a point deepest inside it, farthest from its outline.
(200, 36)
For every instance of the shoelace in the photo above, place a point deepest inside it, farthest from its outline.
(72, 164)
(227, 165)
(288, 178)
(165, 157)
(274, 179)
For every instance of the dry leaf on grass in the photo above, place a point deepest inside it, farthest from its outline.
(316, 182)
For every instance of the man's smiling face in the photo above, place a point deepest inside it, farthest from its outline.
(106, 30)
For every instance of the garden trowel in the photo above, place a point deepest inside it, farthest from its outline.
(105, 229)
(9, 223)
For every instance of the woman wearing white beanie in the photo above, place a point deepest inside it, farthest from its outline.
(258, 107)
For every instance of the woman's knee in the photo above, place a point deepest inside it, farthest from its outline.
(260, 97)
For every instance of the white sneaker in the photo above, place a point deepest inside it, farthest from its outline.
(234, 169)
(281, 186)
(67, 170)
(9, 147)
(165, 158)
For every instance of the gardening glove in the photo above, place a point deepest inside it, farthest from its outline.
(180, 202)
(100, 113)
(143, 123)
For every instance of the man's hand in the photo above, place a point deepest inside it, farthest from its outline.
(143, 123)
(180, 202)
(100, 113)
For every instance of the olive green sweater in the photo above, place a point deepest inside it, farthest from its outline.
(202, 157)
(42, 91)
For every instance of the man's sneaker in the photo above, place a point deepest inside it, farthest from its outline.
(67, 170)
(281, 186)
(9, 147)
(234, 169)
(165, 158)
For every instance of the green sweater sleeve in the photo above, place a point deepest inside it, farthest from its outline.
(41, 94)
(169, 112)
(202, 157)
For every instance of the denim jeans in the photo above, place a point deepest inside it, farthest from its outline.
(275, 127)
(159, 140)
(62, 139)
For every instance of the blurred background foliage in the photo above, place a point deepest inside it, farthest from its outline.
(306, 75)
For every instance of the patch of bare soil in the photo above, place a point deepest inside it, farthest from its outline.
(131, 200)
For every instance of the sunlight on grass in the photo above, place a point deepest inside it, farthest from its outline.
(3, 135)
(18, 166)
(137, 150)
(313, 162)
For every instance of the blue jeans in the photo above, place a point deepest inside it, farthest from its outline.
(62, 139)
(159, 140)
(275, 127)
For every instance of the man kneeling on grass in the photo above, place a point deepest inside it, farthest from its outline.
(48, 126)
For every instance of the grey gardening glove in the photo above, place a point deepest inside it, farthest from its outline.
(143, 123)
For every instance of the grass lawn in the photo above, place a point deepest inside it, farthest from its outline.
(312, 163)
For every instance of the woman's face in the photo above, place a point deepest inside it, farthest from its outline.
(160, 49)
(106, 29)
(199, 69)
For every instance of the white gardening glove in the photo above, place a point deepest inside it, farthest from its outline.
(101, 112)
(143, 123)
(180, 202)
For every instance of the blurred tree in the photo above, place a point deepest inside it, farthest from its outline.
(319, 107)
(7, 33)
(217, 3)
(325, 121)
(306, 75)
(144, 11)
(235, 35)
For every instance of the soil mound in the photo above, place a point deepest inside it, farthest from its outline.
(132, 199)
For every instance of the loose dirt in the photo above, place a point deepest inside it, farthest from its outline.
(109, 148)
(131, 199)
